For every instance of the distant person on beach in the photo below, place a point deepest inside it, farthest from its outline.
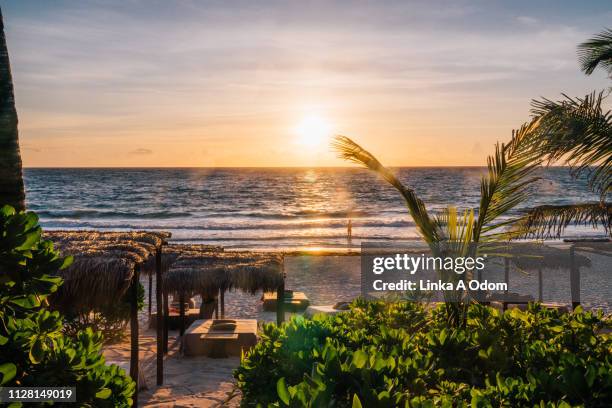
(349, 231)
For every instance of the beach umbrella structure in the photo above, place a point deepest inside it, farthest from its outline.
(208, 273)
(537, 256)
(106, 267)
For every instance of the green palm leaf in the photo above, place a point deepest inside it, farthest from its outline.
(507, 183)
(549, 221)
(579, 132)
(595, 52)
(351, 151)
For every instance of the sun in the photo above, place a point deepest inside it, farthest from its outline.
(313, 131)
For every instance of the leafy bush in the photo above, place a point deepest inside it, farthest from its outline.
(33, 349)
(399, 354)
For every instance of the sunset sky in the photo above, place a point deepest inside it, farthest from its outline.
(262, 83)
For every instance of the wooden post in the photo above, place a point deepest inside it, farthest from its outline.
(166, 318)
(574, 279)
(540, 288)
(159, 316)
(182, 312)
(280, 303)
(222, 300)
(150, 293)
(506, 279)
(134, 330)
(217, 300)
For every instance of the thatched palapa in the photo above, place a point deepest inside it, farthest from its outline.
(208, 272)
(103, 266)
(106, 267)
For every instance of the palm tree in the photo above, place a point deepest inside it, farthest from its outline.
(510, 173)
(577, 132)
(11, 179)
(596, 52)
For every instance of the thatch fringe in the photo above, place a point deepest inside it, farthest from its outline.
(172, 252)
(155, 238)
(92, 281)
(194, 273)
(103, 266)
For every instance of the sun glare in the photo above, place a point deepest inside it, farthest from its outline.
(313, 131)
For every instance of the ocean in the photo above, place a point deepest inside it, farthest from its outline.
(265, 208)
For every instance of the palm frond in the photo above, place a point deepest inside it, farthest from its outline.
(456, 230)
(578, 131)
(595, 52)
(549, 221)
(510, 173)
(351, 151)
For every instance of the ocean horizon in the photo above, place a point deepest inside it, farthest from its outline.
(266, 208)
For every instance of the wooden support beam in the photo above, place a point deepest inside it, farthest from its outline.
(150, 293)
(217, 300)
(166, 318)
(280, 304)
(159, 316)
(222, 300)
(507, 280)
(134, 330)
(540, 285)
(182, 312)
(574, 279)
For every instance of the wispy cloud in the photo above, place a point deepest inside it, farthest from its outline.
(527, 20)
(141, 152)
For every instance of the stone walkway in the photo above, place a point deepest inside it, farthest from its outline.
(188, 381)
(193, 382)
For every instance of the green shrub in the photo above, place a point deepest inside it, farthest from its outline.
(398, 354)
(33, 349)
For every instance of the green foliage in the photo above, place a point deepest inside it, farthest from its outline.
(399, 354)
(596, 52)
(33, 349)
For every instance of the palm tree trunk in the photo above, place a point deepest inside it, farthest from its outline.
(11, 179)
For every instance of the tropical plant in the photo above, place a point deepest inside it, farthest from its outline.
(11, 180)
(381, 354)
(578, 133)
(510, 173)
(596, 52)
(33, 349)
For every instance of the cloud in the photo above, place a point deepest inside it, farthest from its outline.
(527, 20)
(141, 152)
(30, 149)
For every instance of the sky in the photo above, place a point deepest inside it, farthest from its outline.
(264, 83)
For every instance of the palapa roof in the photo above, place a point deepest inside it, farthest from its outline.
(172, 252)
(206, 272)
(103, 266)
(534, 255)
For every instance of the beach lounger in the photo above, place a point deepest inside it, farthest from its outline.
(174, 320)
(294, 301)
(220, 338)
